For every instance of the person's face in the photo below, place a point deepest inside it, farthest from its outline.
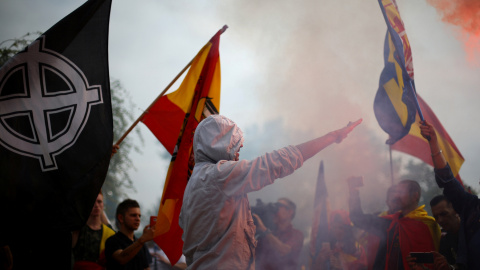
(446, 216)
(392, 203)
(284, 211)
(98, 206)
(237, 155)
(401, 197)
(131, 220)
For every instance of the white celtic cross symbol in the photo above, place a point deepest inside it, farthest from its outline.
(39, 107)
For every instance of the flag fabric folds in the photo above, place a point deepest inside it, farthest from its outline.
(320, 218)
(173, 120)
(394, 104)
(56, 127)
(414, 144)
(166, 117)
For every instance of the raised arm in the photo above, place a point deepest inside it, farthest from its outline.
(238, 177)
(368, 222)
(311, 148)
(452, 188)
(427, 130)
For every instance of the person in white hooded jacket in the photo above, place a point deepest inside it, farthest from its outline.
(218, 229)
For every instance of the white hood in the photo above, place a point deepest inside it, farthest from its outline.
(216, 138)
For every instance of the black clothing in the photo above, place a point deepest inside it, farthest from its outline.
(120, 241)
(449, 247)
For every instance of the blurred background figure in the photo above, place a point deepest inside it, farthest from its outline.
(280, 245)
(343, 250)
(88, 244)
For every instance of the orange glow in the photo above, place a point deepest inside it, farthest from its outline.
(466, 15)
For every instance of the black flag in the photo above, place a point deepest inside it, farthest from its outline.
(56, 128)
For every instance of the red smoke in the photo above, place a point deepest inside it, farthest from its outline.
(466, 15)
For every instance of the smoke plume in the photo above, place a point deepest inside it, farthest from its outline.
(464, 14)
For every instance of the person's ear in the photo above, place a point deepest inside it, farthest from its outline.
(120, 218)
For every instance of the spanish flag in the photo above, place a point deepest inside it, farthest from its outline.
(414, 232)
(414, 144)
(173, 119)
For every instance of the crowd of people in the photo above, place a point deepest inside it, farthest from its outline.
(220, 232)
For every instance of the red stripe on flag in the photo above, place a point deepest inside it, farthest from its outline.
(170, 241)
(165, 119)
(414, 144)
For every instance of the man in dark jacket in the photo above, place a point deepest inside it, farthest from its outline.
(465, 204)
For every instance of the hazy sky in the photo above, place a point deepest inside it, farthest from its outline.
(291, 71)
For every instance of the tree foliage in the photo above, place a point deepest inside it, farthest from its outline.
(10, 47)
(118, 180)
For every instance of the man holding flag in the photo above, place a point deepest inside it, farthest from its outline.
(215, 216)
(465, 204)
(397, 103)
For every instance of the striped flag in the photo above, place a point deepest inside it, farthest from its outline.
(173, 120)
(395, 105)
(414, 144)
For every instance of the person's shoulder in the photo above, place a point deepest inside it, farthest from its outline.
(115, 238)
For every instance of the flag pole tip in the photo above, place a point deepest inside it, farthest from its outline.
(224, 28)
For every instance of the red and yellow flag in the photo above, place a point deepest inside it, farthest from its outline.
(173, 119)
(414, 144)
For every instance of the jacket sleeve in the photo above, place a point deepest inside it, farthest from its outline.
(368, 222)
(454, 191)
(240, 177)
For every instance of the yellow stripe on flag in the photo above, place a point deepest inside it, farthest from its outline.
(182, 97)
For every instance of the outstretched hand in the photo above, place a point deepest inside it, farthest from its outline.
(342, 133)
(311, 148)
(427, 131)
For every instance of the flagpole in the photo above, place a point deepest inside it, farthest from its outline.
(391, 163)
(149, 107)
(420, 114)
(416, 101)
(119, 141)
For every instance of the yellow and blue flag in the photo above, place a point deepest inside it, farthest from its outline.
(395, 104)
